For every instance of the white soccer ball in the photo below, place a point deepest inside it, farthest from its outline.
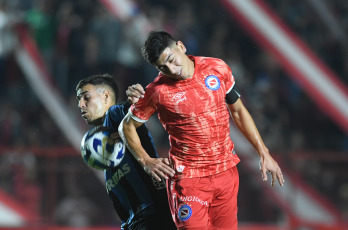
(100, 151)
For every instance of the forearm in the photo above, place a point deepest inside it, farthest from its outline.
(246, 125)
(156, 167)
(130, 137)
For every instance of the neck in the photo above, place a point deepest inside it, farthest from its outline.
(191, 69)
(98, 121)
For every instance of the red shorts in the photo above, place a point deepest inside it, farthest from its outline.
(205, 202)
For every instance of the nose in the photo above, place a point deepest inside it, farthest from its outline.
(81, 104)
(171, 69)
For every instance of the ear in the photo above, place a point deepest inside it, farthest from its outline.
(106, 96)
(181, 46)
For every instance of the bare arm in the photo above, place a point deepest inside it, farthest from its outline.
(156, 167)
(246, 125)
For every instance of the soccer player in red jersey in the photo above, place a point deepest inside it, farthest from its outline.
(194, 97)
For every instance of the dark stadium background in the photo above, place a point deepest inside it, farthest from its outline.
(44, 184)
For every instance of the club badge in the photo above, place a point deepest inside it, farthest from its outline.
(185, 212)
(212, 82)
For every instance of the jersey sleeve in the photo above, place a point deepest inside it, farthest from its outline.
(232, 91)
(118, 112)
(146, 106)
(229, 78)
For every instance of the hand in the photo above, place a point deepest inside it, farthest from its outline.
(268, 164)
(134, 93)
(158, 167)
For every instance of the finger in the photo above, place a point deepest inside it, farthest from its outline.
(166, 161)
(130, 93)
(264, 174)
(280, 178)
(274, 176)
(167, 166)
(161, 174)
(168, 170)
(139, 88)
(135, 88)
(130, 90)
(154, 174)
(157, 177)
(280, 181)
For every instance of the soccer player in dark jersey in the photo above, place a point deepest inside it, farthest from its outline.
(194, 98)
(140, 201)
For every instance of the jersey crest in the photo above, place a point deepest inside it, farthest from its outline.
(212, 82)
(185, 212)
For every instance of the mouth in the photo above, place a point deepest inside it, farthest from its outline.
(83, 114)
(179, 74)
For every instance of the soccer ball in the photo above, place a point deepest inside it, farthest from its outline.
(100, 151)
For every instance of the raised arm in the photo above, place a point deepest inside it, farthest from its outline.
(246, 125)
(156, 167)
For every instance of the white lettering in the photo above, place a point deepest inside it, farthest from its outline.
(193, 199)
(118, 175)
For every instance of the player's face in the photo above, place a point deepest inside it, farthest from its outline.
(174, 63)
(91, 102)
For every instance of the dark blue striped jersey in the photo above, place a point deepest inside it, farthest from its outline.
(135, 195)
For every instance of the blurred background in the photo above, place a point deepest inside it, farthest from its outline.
(290, 59)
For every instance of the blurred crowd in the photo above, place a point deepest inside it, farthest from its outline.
(81, 38)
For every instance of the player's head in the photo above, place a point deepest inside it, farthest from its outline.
(167, 55)
(95, 95)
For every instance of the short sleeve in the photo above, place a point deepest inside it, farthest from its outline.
(146, 106)
(115, 114)
(229, 78)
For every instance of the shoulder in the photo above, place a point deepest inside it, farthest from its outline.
(118, 111)
(154, 88)
(120, 108)
(209, 61)
(215, 64)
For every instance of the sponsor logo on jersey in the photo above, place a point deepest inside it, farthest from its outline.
(212, 82)
(118, 175)
(180, 168)
(193, 199)
(185, 212)
(179, 97)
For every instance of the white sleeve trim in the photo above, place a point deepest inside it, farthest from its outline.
(135, 117)
(230, 88)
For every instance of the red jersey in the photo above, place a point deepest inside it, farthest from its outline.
(195, 115)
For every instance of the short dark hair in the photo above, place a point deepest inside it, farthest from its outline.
(100, 79)
(155, 44)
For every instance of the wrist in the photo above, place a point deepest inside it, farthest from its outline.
(263, 153)
(143, 160)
